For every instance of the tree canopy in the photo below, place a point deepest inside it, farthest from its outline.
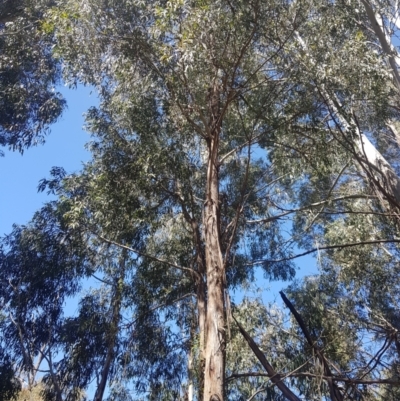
(232, 138)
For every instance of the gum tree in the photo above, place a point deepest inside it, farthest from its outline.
(188, 90)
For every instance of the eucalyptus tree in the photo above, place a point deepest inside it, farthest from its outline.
(349, 68)
(349, 60)
(41, 265)
(98, 341)
(29, 74)
(188, 90)
(378, 22)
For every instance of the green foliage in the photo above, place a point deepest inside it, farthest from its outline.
(289, 87)
(28, 75)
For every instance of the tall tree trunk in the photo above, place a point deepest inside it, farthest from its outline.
(215, 317)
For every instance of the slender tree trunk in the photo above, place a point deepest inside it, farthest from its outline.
(201, 298)
(215, 318)
(191, 364)
(28, 363)
(191, 385)
(201, 305)
(113, 333)
(391, 179)
(201, 312)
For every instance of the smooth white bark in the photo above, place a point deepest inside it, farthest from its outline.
(377, 25)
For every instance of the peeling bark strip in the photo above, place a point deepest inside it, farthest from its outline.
(274, 376)
(214, 372)
(201, 302)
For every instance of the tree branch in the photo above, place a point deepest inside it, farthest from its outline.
(324, 248)
(274, 376)
(308, 374)
(316, 204)
(335, 393)
(145, 255)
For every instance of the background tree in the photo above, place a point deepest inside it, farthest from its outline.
(41, 265)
